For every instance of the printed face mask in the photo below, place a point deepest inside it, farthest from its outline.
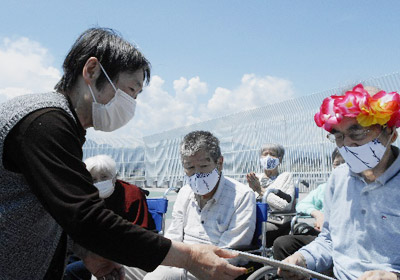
(116, 113)
(106, 188)
(269, 163)
(203, 183)
(364, 157)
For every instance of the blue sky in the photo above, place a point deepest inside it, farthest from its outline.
(209, 58)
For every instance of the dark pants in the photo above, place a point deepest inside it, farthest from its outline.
(276, 230)
(287, 245)
(76, 270)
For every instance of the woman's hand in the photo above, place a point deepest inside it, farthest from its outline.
(102, 268)
(203, 261)
(254, 182)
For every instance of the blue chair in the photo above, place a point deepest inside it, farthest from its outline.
(158, 208)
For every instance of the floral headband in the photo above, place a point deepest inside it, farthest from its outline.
(382, 108)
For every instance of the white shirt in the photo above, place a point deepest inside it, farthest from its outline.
(228, 219)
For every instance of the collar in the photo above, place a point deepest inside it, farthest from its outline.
(81, 130)
(389, 173)
(393, 169)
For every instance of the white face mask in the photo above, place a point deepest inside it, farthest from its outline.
(269, 163)
(203, 183)
(363, 157)
(116, 113)
(106, 188)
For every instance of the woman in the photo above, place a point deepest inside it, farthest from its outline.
(46, 193)
(270, 159)
(126, 200)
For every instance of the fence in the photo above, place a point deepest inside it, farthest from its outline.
(154, 161)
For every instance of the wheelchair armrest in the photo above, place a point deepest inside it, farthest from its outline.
(245, 248)
(282, 213)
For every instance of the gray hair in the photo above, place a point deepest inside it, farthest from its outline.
(279, 149)
(200, 140)
(101, 163)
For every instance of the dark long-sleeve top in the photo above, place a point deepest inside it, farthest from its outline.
(46, 147)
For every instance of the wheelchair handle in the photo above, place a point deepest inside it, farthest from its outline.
(279, 193)
(284, 196)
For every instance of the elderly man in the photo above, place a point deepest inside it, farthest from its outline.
(46, 193)
(311, 205)
(361, 230)
(210, 208)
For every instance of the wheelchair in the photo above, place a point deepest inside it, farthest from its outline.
(260, 271)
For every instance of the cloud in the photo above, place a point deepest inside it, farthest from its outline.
(25, 68)
(158, 110)
(252, 92)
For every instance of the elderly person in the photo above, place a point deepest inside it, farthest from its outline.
(126, 200)
(361, 230)
(311, 205)
(210, 208)
(271, 156)
(46, 193)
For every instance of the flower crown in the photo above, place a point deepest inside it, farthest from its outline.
(382, 108)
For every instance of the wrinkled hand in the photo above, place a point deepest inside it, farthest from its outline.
(378, 275)
(207, 262)
(103, 268)
(296, 259)
(254, 182)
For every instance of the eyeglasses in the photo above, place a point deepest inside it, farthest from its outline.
(355, 135)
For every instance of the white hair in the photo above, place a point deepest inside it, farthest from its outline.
(101, 163)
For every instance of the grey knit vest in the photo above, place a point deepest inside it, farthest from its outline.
(28, 234)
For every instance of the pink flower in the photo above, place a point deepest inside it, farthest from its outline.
(329, 113)
(353, 102)
(382, 108)
(394, 120)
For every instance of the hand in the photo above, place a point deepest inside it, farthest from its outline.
(254, 182)
(208, 262)
(319, 219)
(297, 259)
(378, 275)
(102, 268)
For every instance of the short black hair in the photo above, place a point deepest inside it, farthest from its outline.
(114, 53)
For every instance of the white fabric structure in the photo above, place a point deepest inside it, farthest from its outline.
(155, 160)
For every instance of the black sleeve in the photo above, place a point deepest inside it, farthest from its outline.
(47, 151)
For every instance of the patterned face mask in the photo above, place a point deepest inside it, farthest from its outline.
(203, 183)
(269, 163)
(364, 157)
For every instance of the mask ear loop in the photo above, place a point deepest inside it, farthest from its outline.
(91, 91)
(108, 78)
(390, 138)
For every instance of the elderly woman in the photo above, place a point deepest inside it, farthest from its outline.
(41, 169)
(126, 200)
(271, 157)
